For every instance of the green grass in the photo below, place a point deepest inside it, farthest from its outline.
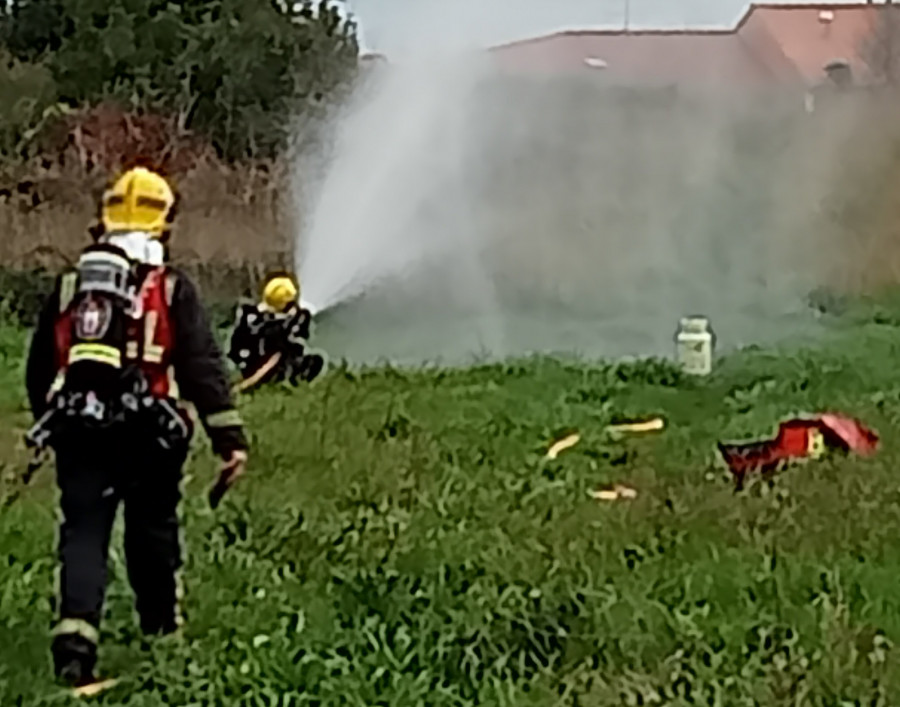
(400, 540)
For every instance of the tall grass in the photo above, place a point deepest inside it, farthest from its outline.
(421, 550)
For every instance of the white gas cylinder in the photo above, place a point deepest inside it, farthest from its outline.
(694, 345)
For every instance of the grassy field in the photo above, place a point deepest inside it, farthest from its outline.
(400, 540)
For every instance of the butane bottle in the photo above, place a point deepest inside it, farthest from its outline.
(694, 342)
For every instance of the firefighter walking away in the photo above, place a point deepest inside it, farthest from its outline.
(269, 339)
(122, 342)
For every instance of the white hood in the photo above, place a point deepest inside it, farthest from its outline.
(139, 246)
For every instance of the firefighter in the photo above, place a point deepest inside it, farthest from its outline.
(122, 342)
(269, 339)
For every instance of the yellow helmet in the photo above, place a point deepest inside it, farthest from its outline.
(279, 292)
(140, 200)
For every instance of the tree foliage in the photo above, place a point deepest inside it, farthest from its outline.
(27, 90)
(234, 70)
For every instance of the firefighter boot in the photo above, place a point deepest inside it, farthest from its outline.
(308, 368)
(74, 659)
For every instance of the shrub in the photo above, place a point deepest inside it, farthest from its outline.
(236, 71)
(27, 91)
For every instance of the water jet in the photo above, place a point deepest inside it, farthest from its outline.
(461, 212)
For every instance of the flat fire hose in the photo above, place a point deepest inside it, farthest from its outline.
(261, 373)
(656, 423)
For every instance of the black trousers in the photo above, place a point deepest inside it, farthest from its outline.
(95, 474)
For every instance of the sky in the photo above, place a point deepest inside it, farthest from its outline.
(401, 26)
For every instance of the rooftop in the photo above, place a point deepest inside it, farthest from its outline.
(781, 42)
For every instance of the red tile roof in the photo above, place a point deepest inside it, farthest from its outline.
(771, 43)
(807, 42)
(639, 57)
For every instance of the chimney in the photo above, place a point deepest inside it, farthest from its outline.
(839, 72)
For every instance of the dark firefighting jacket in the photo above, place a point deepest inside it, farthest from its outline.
(259, 334)
(194, 361)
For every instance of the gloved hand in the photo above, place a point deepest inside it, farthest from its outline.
(232, 468)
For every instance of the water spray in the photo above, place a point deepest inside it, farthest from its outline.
(459, 212)
(393, 202)
(313, 309)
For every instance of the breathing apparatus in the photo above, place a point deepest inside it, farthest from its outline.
(100, 383)
(94, 388)
(104, 302)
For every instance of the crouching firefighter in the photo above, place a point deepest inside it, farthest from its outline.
(121, 342)
(269, 339)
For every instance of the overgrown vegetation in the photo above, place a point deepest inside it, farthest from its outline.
(239, 73)
(400, 539)
(422, 550)
(217, 94)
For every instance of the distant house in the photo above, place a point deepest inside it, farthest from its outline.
(800, 45)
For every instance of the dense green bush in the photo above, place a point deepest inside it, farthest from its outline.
(237, 71)
(27, 91)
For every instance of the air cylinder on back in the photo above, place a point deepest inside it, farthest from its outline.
(101, 308)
